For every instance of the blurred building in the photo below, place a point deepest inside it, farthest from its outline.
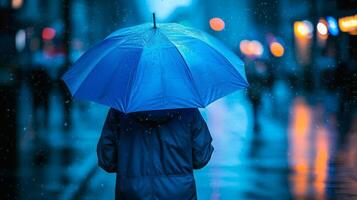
(322, 46)
(309, 45)
(8, 100)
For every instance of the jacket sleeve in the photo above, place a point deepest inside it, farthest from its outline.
(107, 145)
(202, 148)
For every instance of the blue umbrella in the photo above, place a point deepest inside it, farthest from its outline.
(148, 67)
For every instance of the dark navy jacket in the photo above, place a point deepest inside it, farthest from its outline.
(154, 153)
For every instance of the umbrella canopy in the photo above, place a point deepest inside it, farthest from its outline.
(144, 68)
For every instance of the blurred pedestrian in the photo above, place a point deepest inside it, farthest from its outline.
(346, 89)
(40, 84)
(66, 96)
(257, 77)
(154, 152)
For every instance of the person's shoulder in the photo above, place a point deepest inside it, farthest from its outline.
(191, 111)
(114, 113)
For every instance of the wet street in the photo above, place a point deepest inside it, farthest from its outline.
(288, 130)
(297, 152)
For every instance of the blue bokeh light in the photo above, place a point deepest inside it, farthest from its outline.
(332, 26)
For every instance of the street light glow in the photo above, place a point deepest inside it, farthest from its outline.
(251, 48)
(303, 29)
(277, 49)
(256, 48)
(348, 24)
(20, 40)
(217, 24)
(48, 33)
(322, 28)
(322, 32)
(332, 26)
(16, 4)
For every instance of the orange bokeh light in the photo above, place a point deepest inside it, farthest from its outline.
(348, 24)
(299, 130)
(16, 4)
(251, 48)
(217, 24)
(303, 29)
(277, 49)
(321, 161)
(322, 32)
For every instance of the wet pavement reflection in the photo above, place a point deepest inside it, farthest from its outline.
(309, 152)
(291, 135)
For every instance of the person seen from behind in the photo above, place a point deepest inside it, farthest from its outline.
(154, 153)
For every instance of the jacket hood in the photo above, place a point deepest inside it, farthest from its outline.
(156, 117)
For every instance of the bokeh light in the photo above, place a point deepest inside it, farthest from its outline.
(322, 28)
(256, 48)
(303, 29)
(276, 131)
(243, 46)
(332, 26)
(48, 33)
(322, 32)
(20, 40)
(251, 48)
(277, 49)
(303, 37)
(16, 4)
(217, 24)
(348, 24)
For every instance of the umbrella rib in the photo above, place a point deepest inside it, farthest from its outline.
(188, 68)
(106, 88)
(94, 66)
(130, 82)
(224, 57)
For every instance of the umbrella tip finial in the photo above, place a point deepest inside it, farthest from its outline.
(154, 19)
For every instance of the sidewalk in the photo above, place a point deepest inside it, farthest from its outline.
(54, 163)
(294, 155)
(243, 160)
(240, 157)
